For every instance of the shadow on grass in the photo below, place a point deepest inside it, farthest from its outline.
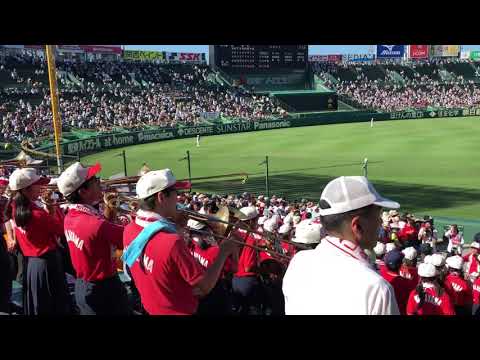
(295, 186)
(357, 164)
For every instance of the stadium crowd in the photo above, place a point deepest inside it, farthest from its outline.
(386, 93)
(103, 95)
(428, 274)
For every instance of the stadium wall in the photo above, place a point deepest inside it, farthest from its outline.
(103, 142)
(115, 140)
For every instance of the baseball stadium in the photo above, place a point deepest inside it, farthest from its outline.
(260, 134)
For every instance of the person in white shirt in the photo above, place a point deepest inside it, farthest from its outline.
(198, 140)
(336, 277)
(455, 240)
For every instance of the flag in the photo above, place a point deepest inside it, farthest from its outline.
(184, 158)
(121, 154)
(263, 162)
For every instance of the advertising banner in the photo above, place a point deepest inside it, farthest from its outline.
(334, 58)
(174, 57)
(190, 57)
(358, 57)
(418, 52)
(421, 114)
(210, 115)
(35, 47)
(143, 55)
(445, 50)
(318, 58)
(103, 49)
(475, 55)
(390, 51)
(14, 46)
(110, 141)
(325, 58)
(70, 48)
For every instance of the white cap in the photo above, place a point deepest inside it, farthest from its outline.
(74, 176)
(25, 177)
(261, 220)
(348, 193)
(250, 212)
(308, 233)
(437, 260)
(427, 270)
(270, 225)
(379, 249)
(410, 253)
(455, 262)
(389, 247)
(475, 245)
(154, 181)
(426, 259)
(285, 228)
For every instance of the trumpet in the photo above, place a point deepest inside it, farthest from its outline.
(113, 200)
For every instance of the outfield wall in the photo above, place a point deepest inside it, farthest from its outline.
(104, 142)
(110, 141)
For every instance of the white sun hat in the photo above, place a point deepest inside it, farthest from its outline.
(308, 233)
(455, 262)
(427, 270)
(410, 253)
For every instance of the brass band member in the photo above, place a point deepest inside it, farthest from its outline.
(37, 230)
(92, 241)
(170, 280)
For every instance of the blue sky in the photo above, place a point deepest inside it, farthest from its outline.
(313, 49)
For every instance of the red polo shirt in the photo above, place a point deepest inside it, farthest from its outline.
(40, 234)
(206, 257)
(407, 233)
(402, 288)
(458, 289)
(434, 304)
(169, 272)
(473, 263)
(409, 273)
(476, 291)
(92, 241)
(249, 257)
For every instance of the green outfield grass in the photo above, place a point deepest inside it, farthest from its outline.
(430, 166)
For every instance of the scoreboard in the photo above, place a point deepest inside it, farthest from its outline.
(246, 58)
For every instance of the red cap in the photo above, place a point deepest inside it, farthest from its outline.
(93, 170)
(3, 182)
(183, 185)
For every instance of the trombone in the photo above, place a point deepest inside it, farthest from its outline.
(134, 179)
(222, 220)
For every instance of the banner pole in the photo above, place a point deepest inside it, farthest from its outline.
(189, 168)
(267, 185)
(124, 163)
(57, 122)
